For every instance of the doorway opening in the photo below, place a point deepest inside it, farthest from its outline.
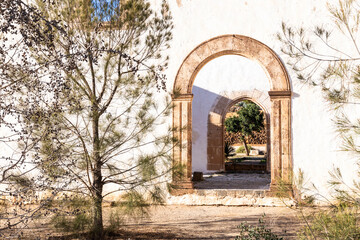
(245, 138)
(242, 120)
(278, 96)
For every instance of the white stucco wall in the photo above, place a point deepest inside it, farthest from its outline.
(315, 143)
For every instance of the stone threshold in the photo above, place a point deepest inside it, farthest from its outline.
(233, 192)
(230, 197)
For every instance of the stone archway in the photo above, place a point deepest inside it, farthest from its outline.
(215, 126)
(280, 97)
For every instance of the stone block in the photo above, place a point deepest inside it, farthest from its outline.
(221, 193)
(254, 152)
(198, 176)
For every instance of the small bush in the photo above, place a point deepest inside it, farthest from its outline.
(115, 221)
(241, 149)
(340, 223)
(229, 150)
(72, 214)
(249, 232)
(77, 223)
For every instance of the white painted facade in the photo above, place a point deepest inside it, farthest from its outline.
(315, 143)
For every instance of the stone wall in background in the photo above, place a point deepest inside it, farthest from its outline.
(257, 138)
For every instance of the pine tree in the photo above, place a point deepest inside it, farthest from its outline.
(327, 57)
(80, 77)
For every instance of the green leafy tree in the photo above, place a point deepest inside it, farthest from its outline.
(79, 77)
(249, 119)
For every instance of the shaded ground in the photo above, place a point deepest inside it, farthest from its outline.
(188, 222)
(248, 159)
(241, 163)
(217, 222)
(234, 181)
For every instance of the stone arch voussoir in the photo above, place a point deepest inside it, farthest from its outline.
(236, 45)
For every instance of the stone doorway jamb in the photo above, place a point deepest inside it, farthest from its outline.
(183, 133)
(280, 134)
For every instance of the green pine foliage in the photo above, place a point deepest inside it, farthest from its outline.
(319, 59)
(82, 88)
(72, 214)
(337, 223)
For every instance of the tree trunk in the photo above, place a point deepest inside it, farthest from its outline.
(98, 227)
(245, 146)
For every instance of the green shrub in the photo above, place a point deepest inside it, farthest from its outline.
(229, 150)
(72, 214)
(115, 220)
(340, 223)
(249, 232)
(241, 149)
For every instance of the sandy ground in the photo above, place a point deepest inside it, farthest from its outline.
(188, 222)
(217, 222)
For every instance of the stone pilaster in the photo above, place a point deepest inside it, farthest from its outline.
(280, 137)
(182, 150)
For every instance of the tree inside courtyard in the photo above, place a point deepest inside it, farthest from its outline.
(77, 103)
(247, 120)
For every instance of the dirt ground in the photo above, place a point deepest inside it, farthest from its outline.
(188, 222)
(216, 222)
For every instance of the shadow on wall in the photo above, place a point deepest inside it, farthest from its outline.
(208, 112)
(202, 103)
(207, 140)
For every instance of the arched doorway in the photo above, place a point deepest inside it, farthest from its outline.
(215, 146)
(280, 98)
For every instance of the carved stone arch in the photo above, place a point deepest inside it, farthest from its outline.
(280, 96)
(215, 126)
(231, 45)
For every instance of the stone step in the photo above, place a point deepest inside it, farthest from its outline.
(230, 197)
(232, 192)
(246, 167)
